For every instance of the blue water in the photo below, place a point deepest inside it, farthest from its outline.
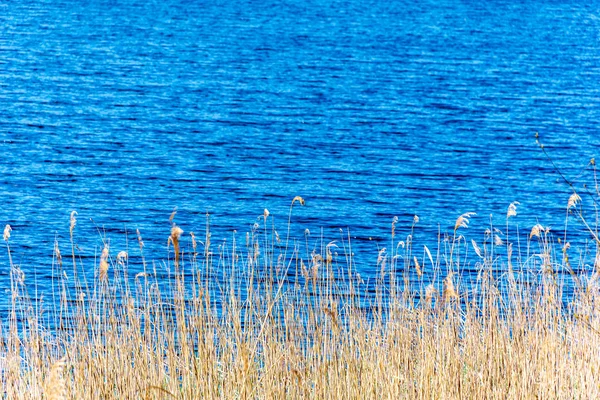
(123, 110)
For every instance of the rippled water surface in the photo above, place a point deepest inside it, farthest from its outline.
(123, 110)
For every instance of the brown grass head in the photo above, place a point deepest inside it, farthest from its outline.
(418, 267)
(299, 200)
(332, 314)
(304, 270)
(449, 289)
(176, 233)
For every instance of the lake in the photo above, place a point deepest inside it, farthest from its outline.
(123, 110)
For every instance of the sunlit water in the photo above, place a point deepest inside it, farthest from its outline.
(368, 110)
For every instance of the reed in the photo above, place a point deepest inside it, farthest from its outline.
(287, 321)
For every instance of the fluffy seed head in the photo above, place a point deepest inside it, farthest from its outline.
(122, 257)
(58, 255)
(537, 230)
(139, 238)
(498, 240)
(103, 270)
(7, 230)
(574, 199)
(194, 244)
(73, 222)
(103, 267)
(104, 255)
(176, 233)
(463, 221)
(141, 275)
(512, 209)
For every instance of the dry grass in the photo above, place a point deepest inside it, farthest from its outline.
(265, 321)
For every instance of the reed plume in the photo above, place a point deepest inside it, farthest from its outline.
(7, 230)
(463, 221)
(103, 267)
(574, 199)
(176, 233)
(512, 209)
(449, 289)
(72, 223)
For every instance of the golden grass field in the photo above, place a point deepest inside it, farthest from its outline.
(267, 318)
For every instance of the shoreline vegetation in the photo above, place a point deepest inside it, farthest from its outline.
(272, 319)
